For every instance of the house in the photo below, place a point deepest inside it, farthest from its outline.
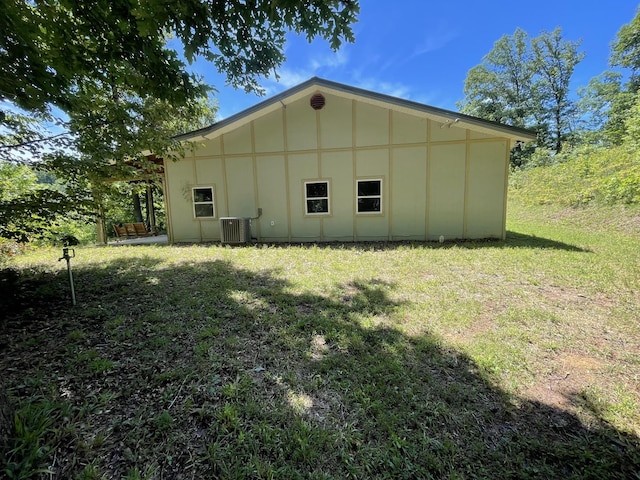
(325, 162)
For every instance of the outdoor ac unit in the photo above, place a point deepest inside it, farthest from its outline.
(235, 230)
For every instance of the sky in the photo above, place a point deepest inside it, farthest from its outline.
(421, 50)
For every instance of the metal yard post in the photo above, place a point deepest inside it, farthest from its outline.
(66, 256)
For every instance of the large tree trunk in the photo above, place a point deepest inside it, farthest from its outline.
(101, 229)
(6, 421)
(151, 212)
(137, 208)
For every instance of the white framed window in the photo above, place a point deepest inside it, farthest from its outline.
(203, 203)
(369, 195)
(316, 197)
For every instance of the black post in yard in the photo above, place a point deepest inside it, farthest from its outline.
(66, 256)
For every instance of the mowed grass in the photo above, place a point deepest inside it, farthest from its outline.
(516, 359)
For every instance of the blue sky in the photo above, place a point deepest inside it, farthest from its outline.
(421, 50)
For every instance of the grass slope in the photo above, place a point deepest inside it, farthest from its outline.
(514, 359)
(602, 176)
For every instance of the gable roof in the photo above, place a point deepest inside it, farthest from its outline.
(315, 84)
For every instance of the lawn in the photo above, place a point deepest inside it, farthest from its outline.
(515, 359)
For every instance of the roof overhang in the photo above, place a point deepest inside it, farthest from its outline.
(447, 118)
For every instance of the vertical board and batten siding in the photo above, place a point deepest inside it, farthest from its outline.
(437, 180)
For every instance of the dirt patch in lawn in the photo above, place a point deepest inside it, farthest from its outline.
(572, 374)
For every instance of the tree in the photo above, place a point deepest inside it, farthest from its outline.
(525, 82)
(625, 53)
(115, 129)
(632, 127)
(111, 133)
(625, 49)
(107, 66)
(555, 60)
(600, 122)
(48, 47)
(499, 89)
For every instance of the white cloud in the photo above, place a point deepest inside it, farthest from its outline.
(395, 89)
(331, 60)
(288, 78)
(435, 39)
(291, 75)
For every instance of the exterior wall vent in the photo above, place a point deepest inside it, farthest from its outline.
(234, 230)
(317, 101)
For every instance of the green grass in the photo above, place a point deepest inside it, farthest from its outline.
(589, 175)
(514, 359)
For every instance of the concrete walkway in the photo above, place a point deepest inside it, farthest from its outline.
(156, 240)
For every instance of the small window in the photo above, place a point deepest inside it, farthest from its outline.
(316, 197)
(203, 202)
(369, 196)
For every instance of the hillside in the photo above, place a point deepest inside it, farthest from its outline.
(597, 189)
(602, 176)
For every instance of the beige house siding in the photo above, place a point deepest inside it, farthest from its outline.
(439, 177)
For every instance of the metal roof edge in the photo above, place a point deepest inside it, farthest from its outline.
(244, 113)
(512, 131)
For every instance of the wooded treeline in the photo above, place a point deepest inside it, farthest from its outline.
(525, 81)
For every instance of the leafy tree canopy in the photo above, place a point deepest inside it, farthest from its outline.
(625, 49)
(499, 88)
(106, 65)
(524, 82)
(47, 47)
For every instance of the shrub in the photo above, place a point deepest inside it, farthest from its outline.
(8, 249)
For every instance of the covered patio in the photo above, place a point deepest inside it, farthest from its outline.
(150, 178)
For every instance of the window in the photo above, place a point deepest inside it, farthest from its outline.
(316, 196)
(369, 196)
(203, 202)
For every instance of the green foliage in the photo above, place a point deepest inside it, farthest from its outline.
(524, 82)
(34, 441)
(56, 45)
(128, 125)
(39, 215)
(632, 126)
(601, 109)
(76, 188)
(587, 176)
(554, 60)
(27, 207)
(499, 89)
(609, 97)
(107, 66)
(34, 205)
(16, 180)
(22, 134)
(625, 49)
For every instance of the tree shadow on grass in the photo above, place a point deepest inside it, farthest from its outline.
(207, 370)
(513, 240)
